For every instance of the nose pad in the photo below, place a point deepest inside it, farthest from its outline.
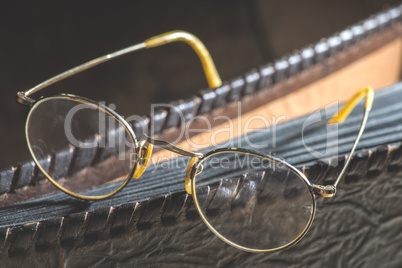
(187, 182)
(144, 156)
(200, 168)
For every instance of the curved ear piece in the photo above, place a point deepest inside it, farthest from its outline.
(211, 73)
(366, 92)
(208, 65)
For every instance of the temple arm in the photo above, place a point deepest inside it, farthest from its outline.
(368, 93)
(211, 73)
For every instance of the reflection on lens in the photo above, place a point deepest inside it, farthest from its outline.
(252, 201)
(88, 145)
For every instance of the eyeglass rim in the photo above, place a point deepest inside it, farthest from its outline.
(103, 108)
(297, 172)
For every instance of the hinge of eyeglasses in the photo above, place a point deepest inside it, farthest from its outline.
(23, 99)
(324, 190)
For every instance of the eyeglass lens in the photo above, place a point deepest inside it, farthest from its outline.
(256, 203)
(83, 140)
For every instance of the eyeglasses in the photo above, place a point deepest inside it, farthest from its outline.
(280, 203)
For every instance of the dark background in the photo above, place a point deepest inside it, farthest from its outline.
(39, 40)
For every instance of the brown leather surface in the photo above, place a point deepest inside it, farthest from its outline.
(358, 227)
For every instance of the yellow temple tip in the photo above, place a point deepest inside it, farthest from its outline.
(208, 65)
(366, 92)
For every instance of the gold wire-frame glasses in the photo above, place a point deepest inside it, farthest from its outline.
(276, 218)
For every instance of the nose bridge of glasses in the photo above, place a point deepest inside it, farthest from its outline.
(170, 147)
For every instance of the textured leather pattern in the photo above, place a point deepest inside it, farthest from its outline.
(361, 226)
